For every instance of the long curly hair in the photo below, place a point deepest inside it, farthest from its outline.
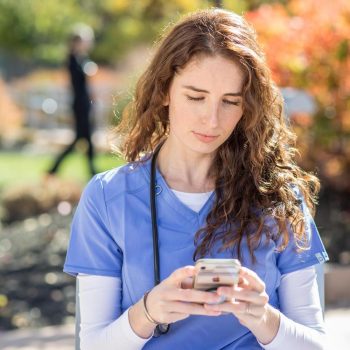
(254, 169)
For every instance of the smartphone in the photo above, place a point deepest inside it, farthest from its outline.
(213, 273)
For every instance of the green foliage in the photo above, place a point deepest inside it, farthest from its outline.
(38, 30)
(343, 50)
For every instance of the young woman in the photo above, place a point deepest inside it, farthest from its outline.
(207, 122)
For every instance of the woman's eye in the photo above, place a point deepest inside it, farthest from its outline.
(235, 103)
(195, 98)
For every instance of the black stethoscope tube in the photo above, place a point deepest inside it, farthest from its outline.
(161, 328)
(154, 217)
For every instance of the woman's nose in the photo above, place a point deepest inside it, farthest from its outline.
(212, 116)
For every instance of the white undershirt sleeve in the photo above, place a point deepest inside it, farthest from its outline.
(301, 323)
(102, 324)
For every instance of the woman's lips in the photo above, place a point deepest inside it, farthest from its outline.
(205, 138)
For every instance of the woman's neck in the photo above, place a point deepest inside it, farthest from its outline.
(185, 170)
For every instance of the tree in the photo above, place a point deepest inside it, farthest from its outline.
(307, 46)
(37, 30)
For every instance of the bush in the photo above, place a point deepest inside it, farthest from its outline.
(28, 200)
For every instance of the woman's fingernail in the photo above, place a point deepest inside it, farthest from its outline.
(222, 298)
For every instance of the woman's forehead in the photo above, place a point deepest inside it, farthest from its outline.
(208, 70)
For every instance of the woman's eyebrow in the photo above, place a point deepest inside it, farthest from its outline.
(193, 88)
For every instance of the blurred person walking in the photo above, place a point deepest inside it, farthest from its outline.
(79, 67)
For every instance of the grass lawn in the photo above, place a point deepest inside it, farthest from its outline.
(21, 168)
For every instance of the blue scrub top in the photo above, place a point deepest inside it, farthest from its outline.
(111, 235)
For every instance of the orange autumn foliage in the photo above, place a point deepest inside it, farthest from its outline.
(307, 45)
(11, 115)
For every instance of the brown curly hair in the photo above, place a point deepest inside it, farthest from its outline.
(254, 169)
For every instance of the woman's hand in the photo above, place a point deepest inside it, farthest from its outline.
(174, 299)
(170, 301)
(249, 303)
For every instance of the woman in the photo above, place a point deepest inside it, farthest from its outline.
(226, 186)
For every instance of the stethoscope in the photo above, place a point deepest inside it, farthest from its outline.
(163, 327)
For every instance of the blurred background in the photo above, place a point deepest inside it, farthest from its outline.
(307, 45)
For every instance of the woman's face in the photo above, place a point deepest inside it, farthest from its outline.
(205, 103)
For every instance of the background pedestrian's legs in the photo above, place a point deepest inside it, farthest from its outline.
(90, 155)
(60, 158)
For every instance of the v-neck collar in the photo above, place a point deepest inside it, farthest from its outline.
(171, 199)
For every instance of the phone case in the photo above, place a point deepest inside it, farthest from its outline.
(213, 273)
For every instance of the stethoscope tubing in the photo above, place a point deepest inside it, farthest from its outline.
(161, 328)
